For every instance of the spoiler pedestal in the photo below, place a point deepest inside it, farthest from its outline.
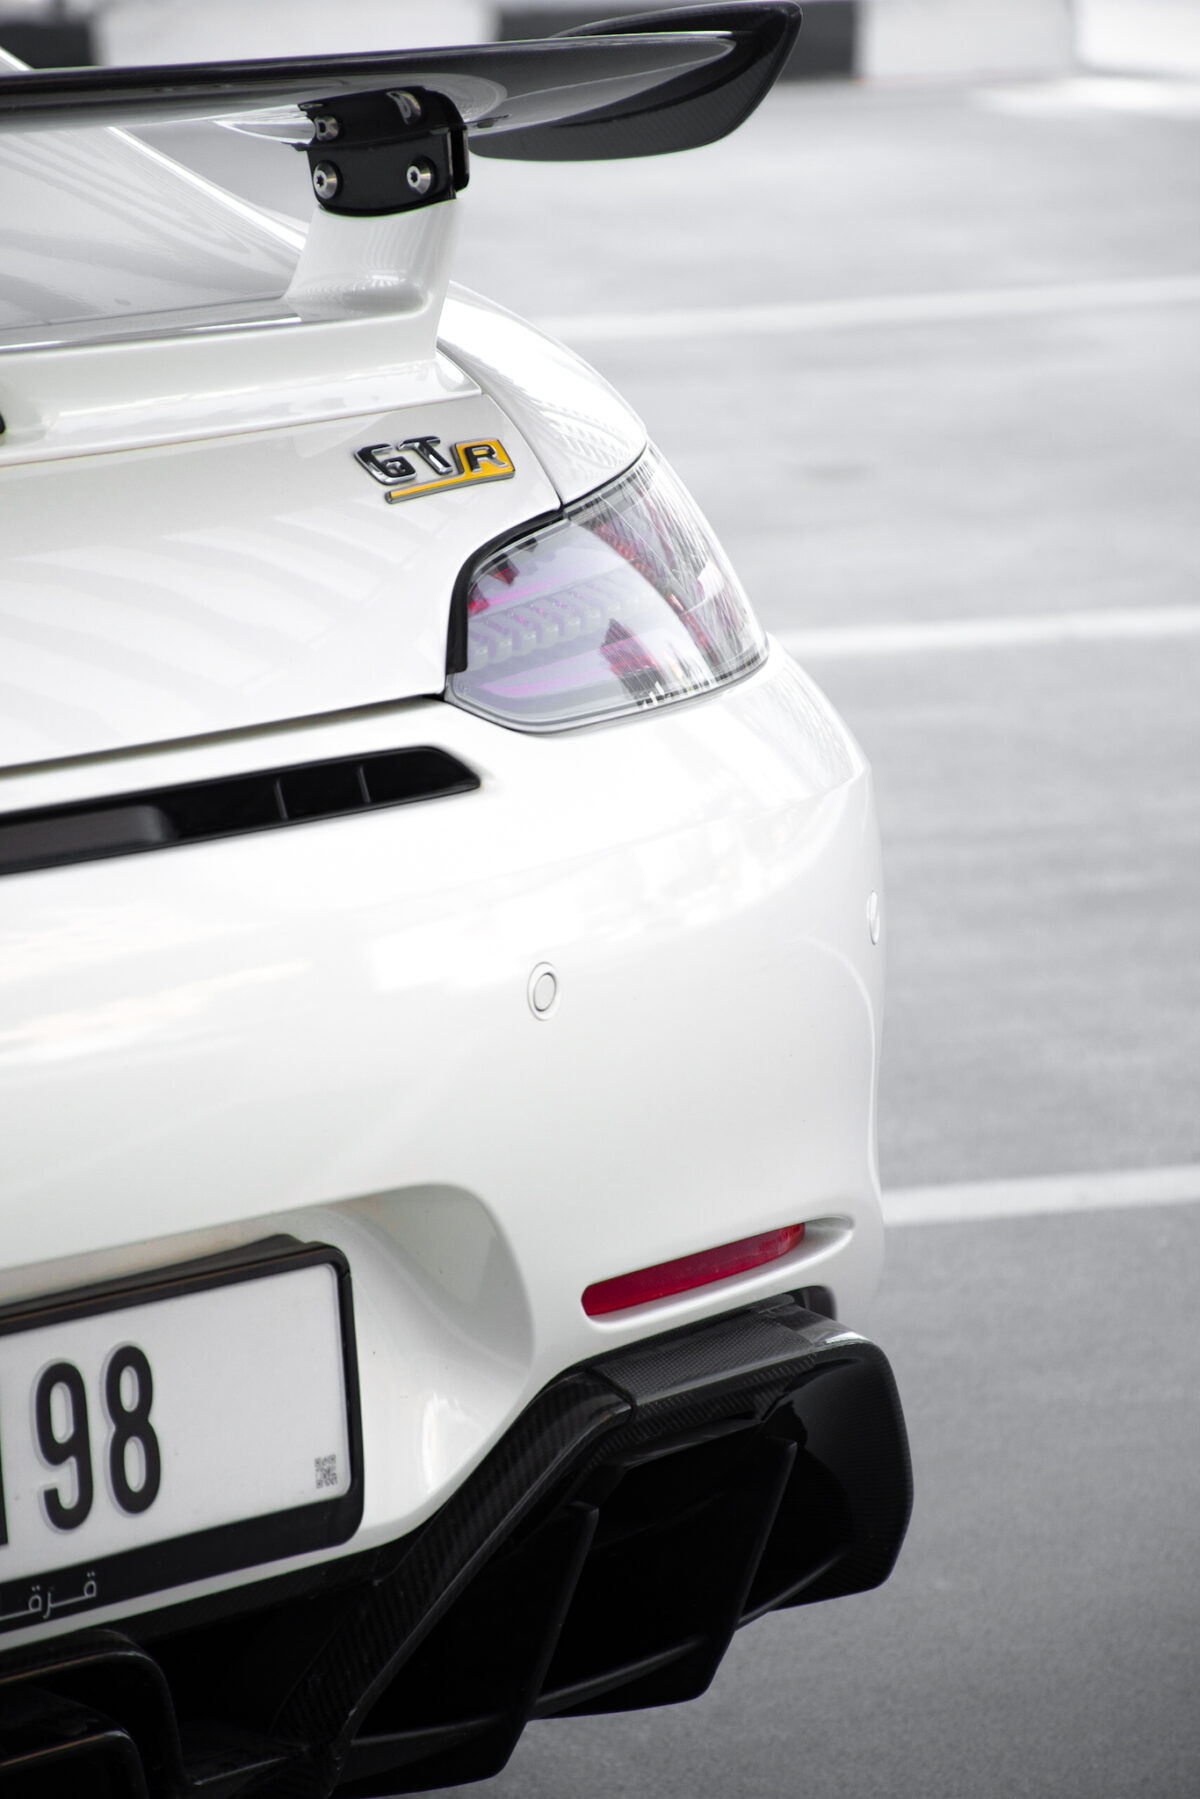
(387, 140)
(387, 135)
(383, 165)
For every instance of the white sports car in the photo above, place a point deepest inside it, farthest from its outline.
(440, 958)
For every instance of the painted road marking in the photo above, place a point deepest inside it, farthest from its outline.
(1166, 98)
(1105, 625)
(974, 1201)
(788, 318)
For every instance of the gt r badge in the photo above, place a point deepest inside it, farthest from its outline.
(399, 466)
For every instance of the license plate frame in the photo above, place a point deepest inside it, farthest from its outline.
(266, 1539)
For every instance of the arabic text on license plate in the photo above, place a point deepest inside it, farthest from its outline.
(158, 1436)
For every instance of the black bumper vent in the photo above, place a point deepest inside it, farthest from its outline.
(125, 824)
(600, 1559)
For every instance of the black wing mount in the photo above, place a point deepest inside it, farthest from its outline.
(372, 154)
(390, 130)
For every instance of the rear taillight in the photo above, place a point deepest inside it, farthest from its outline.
(625, 602)
(707, 1265)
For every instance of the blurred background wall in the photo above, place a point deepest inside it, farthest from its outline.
(193, 30)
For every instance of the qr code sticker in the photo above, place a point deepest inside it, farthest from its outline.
(326, 1470)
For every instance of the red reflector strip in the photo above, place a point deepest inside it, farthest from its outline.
(699, 1270)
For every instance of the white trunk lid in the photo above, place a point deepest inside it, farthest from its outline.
(187, 542)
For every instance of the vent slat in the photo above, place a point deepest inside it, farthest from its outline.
(233, 806)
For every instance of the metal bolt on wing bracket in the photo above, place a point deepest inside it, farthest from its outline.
(373, 154)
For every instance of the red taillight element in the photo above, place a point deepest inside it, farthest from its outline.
(699, 1270)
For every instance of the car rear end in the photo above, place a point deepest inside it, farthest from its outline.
(442, 966)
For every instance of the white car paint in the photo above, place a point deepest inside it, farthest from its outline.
(581, 430)
(326, 1030)
(237, 581)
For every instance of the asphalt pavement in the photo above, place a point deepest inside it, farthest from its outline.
(1041, 807)
(1038, 1639)
(1040, 803)
(964, 415)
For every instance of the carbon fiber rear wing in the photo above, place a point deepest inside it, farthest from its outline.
(626, 87)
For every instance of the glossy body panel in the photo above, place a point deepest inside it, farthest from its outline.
(214, 585)
(158, 347)
(187, 545)
(328, 1031)
(581, 429)
(213, 379)
(338, 1030)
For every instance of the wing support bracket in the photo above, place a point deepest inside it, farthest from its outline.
(375, 154)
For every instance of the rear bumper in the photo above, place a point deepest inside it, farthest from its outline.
(640, 1509)
(327, 1032)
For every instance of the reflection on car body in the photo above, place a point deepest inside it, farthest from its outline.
(440, 956)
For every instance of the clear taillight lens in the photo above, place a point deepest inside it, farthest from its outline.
(624, 603)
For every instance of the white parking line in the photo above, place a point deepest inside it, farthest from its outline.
(973, 1202)
(1105, 625)
(788, 318)
(1165, 97)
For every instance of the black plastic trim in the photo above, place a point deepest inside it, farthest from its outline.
(374, 154)
(642, 1507)
(125, 824)
(772, 1371)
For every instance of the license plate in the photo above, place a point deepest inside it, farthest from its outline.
(161, 1431)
